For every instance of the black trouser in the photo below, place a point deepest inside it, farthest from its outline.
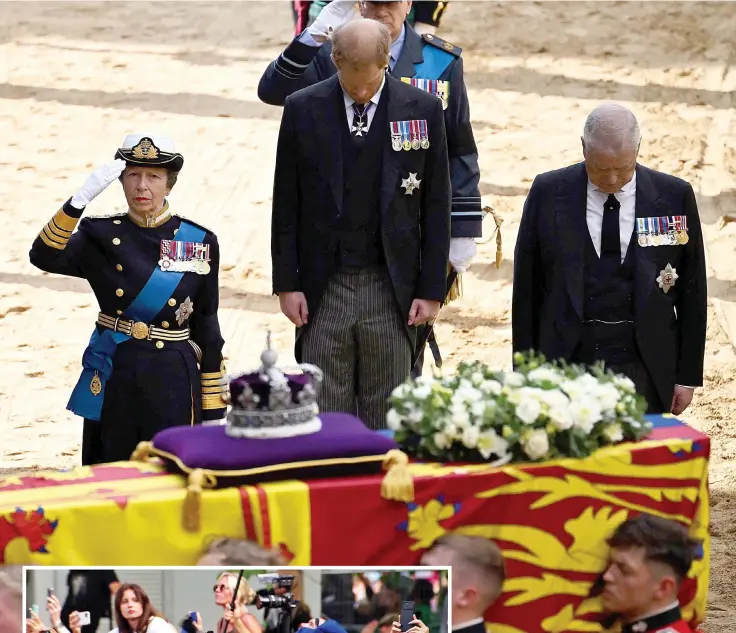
(93, 448)
(615, 345)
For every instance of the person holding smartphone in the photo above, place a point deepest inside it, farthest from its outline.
(34, 623)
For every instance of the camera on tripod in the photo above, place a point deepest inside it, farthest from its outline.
(279, 595)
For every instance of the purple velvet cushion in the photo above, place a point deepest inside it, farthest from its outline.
(342, 437)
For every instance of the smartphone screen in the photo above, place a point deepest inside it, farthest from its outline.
(50, 592)
(407, 615)
(84, 618)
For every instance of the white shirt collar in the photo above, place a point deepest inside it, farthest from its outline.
(627, 188)
(468, 624)
(396, 47)
(374, 99)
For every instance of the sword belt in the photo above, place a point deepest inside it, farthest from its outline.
(141, 331)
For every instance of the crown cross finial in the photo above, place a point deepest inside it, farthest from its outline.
(269, 356)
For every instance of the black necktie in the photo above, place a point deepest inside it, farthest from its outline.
(610, 233)
(359, 128)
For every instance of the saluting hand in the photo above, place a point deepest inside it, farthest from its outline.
(97, 182)
(422, 310)
(681, 399)
(294, 306)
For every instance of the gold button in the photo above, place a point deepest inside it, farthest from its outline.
(118, 268)
(172, 302)
(165, 323)
(116, 221)
(119, 312)
(119, 292)
(116, 241)
(160, 344)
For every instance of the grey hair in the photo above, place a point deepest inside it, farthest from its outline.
(348, 46)
(611, 126)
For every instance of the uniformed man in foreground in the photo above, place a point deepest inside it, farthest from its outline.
(650, 557)
(427, 62)
(155, 356)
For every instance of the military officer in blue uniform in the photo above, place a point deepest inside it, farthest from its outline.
(425, 61)
(155, 356)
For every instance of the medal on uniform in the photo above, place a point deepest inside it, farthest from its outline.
(682, 236)
(671, 233)
(641, 230)
(395, 136)
(184, 311)
(423, 134)
(184, 257)
(650, 232)
(410, 184)
(443, 92)
(405, 135)
(667, 278)
(415, 142)
(96, 385)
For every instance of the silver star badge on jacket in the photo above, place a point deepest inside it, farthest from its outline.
(410, 184)
(667, 278)
(184, 311)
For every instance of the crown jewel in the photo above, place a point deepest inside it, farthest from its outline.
(271, 402)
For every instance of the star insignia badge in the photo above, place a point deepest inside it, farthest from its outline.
(667, 278)
(359, 128)
(410, 184)
(184, 311)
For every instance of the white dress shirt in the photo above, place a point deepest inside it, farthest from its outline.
(371, 113)
(626, 215)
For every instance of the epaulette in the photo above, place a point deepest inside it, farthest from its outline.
(442, 44)
(195, 223)
(106, 217)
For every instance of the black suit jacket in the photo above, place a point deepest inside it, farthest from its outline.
(308, 193)
(302, 65)
(547, 307)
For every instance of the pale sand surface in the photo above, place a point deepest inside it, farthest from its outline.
(76, 77)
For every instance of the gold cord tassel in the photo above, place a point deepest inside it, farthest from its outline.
(456, 290)
(196, 482)
(397, 484)
(499, 241)
(142, 452)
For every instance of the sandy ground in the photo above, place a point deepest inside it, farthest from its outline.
(76, 77)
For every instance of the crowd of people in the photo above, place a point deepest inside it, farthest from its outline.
(649, 559)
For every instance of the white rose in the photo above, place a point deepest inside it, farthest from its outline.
(492, 387)
(573, 389)
(554, 399)
(491, 443)
(528, 410)
(588, 382)
(415, 417)
(451, 431)
(401, 391)
(393, 420)
(441, 440)
(614, 433)
(422, 392)
(585, 414)
(460, 416)
(560, 418)
(470, 437)
(608, 397)
(536, 444)
(514, 396)
(478, 409)
(544, 374)
(625, 384)
(476, 378)
(514, 379)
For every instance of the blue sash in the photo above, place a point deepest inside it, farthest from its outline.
(97, 358)
(436, 61)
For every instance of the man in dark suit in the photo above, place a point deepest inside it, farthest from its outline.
(610, 266)
(426, 61)
(361, 222)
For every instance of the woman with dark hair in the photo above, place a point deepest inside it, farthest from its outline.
(134, 612)
(155, 357)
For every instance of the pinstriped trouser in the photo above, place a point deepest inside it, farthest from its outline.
(359, 340)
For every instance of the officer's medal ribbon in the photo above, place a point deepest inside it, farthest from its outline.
(681, 229)
(395, 136)
(641, 231)
(185, 257)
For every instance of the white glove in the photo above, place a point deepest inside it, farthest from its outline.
(334, 15)
(97, 182)
(462, 251)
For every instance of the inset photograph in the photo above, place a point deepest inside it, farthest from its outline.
(220, 600)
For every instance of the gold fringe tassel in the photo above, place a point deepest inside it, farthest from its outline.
(397, 484)
(456, 290)
(196, 482)
(142, 452)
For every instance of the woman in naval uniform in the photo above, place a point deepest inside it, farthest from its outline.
(155, 356)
